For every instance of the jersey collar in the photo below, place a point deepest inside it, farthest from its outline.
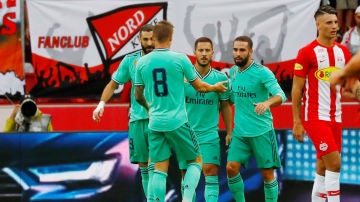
(199, 75)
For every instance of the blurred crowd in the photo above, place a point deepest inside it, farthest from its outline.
(346, 13)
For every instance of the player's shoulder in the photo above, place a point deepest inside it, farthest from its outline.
(260, 67)
(233, 68)
(340, 45)
(218, 73)
(177, 54)
(133, 55)
(310, 46)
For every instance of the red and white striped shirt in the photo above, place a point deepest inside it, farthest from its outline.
(315, 63)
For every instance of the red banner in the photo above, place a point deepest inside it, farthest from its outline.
(12, 79)
(79, 44)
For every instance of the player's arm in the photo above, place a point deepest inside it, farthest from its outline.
(351, 90)
(273, 101)
(356, 90)
(204, 87)
(278, 96)
(50, 127)
(351, 69)
(296, 95)
(105, 97)
(139, 96)
(10, 125)
(226, 113)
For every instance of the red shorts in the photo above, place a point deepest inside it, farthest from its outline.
(325, 136)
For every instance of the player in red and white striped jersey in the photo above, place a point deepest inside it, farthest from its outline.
(320, 114)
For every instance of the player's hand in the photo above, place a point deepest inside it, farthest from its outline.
(337, 78)
(227, 141)
(234, 21)
(220, 86)
(15, 111)
(190, 8)
(98, 111)
(298, 132)
(261, 107)
(351, 89)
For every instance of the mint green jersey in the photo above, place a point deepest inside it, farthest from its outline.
(253, 85)
(203, 108)
(124, 73)
(162, 73)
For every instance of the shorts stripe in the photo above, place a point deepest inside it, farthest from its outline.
(193, 138)
(273, 146)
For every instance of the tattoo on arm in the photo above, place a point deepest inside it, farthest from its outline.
(357, 94)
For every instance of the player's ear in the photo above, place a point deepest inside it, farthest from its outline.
(251, 51)
(170, 38)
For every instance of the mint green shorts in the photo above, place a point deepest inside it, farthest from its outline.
(209, 143)
(138, 141)
(263, 147)
(181, 140)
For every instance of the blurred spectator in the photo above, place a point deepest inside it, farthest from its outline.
(345, 10)
(351, 38)
(27, 117)
(27, 54)
(331, 3)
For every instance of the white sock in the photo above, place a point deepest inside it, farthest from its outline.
(332, 186)
(318, 192)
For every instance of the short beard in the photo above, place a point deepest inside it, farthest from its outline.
(145, 51)
(202, 65)
(242, 63)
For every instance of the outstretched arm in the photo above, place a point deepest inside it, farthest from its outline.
(351, 69)
(280, 42)
(187, 25)
(105, 97)
(204, 87)
(10, 125)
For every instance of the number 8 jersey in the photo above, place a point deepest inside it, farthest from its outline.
(162, 74)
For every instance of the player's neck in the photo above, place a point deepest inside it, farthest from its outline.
(202, 70)
(325, 41)
(163, 45)
(242, 68)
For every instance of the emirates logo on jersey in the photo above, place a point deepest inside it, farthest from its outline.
(323, 146)
(324, 74)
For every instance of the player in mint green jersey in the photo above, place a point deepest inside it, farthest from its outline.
(203, 114)
(138, 123)
(160, 74)
(254, 90)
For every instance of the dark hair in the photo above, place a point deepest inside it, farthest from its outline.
(322, 10)
(147, 28)
(245, 39)
(203, 39)
(163, 30)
